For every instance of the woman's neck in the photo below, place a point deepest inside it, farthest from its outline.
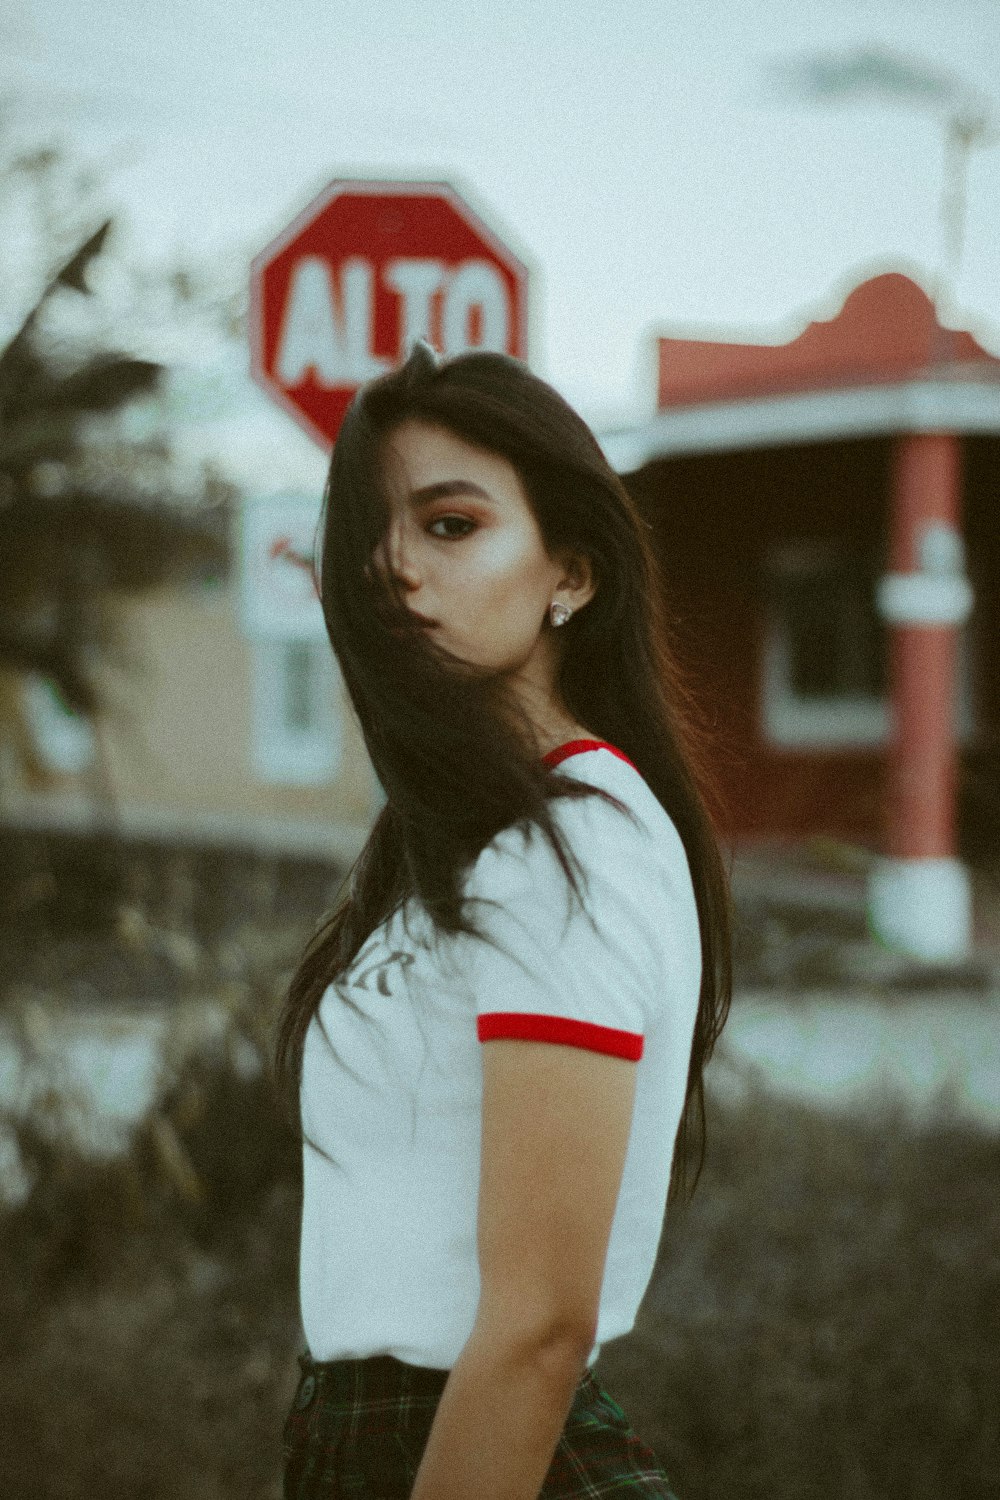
(545, 717)
(553, 734)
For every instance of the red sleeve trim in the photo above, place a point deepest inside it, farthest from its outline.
(577, 747)
(529, 1027)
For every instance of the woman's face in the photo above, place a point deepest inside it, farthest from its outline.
(466, 551)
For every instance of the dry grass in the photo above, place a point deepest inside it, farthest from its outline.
(822, 1324)
(825, 1316)
(147, 1306)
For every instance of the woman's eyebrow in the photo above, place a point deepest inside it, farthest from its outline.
(445, 488)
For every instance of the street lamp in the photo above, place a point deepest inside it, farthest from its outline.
(879, 75)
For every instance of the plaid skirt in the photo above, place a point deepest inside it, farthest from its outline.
(357, 1428)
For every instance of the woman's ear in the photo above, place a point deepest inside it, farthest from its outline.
(578, 584)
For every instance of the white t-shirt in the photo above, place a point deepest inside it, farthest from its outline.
(392, 1072)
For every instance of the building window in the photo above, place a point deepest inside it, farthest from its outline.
(297, 730)
(302, 710)
(825, 680)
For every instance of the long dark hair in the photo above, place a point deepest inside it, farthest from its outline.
(426, 720)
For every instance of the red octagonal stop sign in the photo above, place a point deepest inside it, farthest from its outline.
(367, 268)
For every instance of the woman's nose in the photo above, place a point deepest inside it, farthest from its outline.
(395, 554)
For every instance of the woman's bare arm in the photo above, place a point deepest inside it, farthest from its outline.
(556, 1122)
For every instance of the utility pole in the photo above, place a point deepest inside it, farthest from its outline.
(919, 895)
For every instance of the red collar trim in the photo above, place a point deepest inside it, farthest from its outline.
(577, 747)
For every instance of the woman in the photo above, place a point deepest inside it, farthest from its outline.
(495, 1043)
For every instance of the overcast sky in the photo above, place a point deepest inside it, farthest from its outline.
(632, 149)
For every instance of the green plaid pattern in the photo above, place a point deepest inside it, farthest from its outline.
(357, 1429)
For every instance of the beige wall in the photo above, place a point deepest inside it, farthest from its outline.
(178, 741)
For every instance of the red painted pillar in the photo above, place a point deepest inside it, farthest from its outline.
(922, 656)
(920, 900)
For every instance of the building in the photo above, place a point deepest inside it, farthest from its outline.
(231, 726)
(821, 508)
(216, 738)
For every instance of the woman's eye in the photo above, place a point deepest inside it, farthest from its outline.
(446, 520)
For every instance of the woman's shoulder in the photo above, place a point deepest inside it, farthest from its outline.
(631, 889)
(631, 837)
(603, 765)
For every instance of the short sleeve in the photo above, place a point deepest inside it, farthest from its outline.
(549, 970)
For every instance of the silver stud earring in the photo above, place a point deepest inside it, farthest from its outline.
(559, 613)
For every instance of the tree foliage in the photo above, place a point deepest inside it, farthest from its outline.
(80, 524)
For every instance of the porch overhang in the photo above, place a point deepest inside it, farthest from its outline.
(928, 404)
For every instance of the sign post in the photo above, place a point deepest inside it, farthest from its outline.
(363, 271)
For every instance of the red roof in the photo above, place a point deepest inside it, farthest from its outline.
(887, 331)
